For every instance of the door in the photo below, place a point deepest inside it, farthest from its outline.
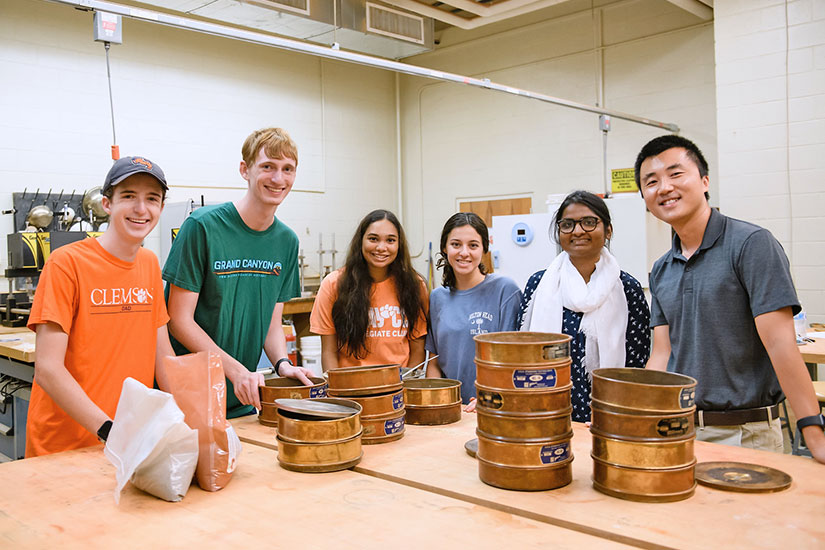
(486, 209)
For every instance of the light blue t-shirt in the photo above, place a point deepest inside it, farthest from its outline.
(458, 315)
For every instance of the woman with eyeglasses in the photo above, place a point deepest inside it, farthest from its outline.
(583, 293)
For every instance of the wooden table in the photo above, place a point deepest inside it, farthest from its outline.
(298, 309)
(16, 360)
(17, 343)
(813, 352)
(432, 458)
(66, 501)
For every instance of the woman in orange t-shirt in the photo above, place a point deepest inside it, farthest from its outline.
(363, 310)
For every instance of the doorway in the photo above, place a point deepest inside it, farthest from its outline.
(486, 209)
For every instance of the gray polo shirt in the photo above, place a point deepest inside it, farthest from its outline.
(709, 302)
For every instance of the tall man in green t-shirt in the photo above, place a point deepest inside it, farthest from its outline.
(231, 268)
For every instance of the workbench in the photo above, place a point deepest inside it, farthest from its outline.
(433, 459)
(66, 501)
(16, 360)
(813, 353)
(17, 344)
(422, 490)
(298, 310)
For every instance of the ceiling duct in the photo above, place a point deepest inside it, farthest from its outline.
(361, 26)
(295, 6)
(395, 23)
(374, 28)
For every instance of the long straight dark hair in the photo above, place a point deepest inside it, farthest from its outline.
(350, 312)
(460, 220)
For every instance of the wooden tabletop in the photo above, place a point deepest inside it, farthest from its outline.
(66, 501)
(813, 352)
(17, 343)
(433, 458)
(299, 305)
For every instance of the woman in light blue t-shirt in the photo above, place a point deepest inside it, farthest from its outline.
(470, 302)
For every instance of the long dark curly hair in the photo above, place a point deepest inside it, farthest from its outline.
(459, 220)
(350, 312)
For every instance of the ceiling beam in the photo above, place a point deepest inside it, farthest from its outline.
(484, 10)
(476, 22)
(697, 8)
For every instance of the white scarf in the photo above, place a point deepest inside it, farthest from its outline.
(602, 301)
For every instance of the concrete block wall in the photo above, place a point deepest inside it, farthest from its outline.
(187, 101)
(770, 93)
(463, 143)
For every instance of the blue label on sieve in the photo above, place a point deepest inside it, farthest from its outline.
(550, 454)
(544, 378)
(320, 391)
(393, 426)
(398, 401)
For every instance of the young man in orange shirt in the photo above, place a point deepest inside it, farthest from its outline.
(99, 316)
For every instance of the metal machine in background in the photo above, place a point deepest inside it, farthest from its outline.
(43, 222)
(524, 244)
(172, 218)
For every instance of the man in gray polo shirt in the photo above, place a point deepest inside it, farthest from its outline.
(722, 308)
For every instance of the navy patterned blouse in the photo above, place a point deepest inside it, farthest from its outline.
(637, 337)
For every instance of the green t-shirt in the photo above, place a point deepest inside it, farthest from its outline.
(240, 274)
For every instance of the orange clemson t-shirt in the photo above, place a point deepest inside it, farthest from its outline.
(386, 341)
(111, 310)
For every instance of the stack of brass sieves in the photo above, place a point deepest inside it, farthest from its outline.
(378, 389)
(523, 409)
(643, 434)
(318, 435)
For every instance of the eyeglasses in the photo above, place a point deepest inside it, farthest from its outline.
(588, 223)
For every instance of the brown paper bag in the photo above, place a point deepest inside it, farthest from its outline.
(198, 383)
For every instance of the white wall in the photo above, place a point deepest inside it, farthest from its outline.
(462, 142)
(187, 101)
(770, 74)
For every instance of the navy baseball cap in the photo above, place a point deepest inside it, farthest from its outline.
(129, 166)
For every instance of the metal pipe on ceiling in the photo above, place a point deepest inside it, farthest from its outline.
(346, 56)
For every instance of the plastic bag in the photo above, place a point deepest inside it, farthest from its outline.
(198, 383)
(151, 444)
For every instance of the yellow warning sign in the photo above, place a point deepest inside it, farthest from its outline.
(175, 232)
(623, 180)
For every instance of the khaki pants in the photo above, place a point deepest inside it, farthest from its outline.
(760, 435)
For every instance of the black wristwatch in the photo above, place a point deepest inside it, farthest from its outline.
(103, 431)
(813, 420)
(278, 364)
